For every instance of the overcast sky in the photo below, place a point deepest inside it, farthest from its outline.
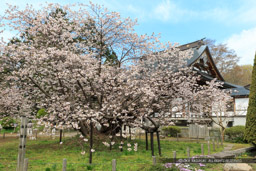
(182, 21)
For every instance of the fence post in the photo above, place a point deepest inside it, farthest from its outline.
(174, 156)
(209, 150)
(213, 144)
(114, 165)
(64, 165)
(202, 149)
(25, 164)
(217, 142)
(4, 135)
(188, 152)
(22, 146)
(177, 136)
(154, 160)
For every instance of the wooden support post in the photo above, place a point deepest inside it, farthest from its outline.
(217, 142)
(25, 167)
(4, 135)
(154, 160)
(61, 135)
(202, 149)
(152, 142)
(177, 136)
(130, 133)
(64, 165)
(22, 145)
(91, 141)
(213, 144)
(158, 143)
(121, 139)
(209, 149)
(188, 152)
(146, 134)
(114, 165)
(174, 156)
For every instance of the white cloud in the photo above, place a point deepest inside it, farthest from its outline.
(244, 44)
(163, 10)
(167, 10)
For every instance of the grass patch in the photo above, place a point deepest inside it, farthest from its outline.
(48, 154)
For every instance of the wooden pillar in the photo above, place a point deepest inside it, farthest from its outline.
(146, 134)
(91, 141)
(158, 143)
(213, 144)
(130, 133)
(152, 143)
(202, 149)
(61, 135)
(209, 150)
(121, 138)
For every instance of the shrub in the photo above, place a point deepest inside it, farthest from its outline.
(235, 134)
(41, 113)
(7, 122)
(171, 131)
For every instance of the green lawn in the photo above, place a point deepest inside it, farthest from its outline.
(48, 153)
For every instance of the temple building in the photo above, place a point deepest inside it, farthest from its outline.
(203, 63)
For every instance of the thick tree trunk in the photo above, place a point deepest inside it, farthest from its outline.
(222, 131)
(84, 130)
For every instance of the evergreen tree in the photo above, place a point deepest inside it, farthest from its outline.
(250, 128)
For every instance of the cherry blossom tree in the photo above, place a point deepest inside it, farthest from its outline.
(214, 101)
(58, 59)
(87, 67)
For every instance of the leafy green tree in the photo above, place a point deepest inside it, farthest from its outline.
(224, 58)
(240, 75)
(250, 128)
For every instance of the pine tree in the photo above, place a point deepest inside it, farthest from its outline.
(250, 128)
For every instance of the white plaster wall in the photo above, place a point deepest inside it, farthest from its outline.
(241, 105)
(224, 122)
(239, 121)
